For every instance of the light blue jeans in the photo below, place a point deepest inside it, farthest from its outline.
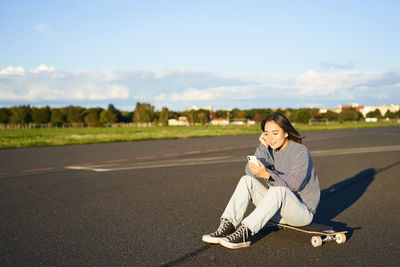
(276, 204)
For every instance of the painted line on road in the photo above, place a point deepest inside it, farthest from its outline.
(242, 147)
(222, 159)
(346, 151)
(146, 157)
(39, 170)
(192, 152)
(93, 166)
(117, 160)
(160, 164)
(83, 164)
(213, 150)
(228, 148)
(170, 155)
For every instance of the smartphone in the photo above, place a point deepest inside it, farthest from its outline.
(253, 160)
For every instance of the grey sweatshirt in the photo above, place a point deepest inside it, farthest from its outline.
(293, 168)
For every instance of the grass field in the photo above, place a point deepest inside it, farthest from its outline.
(18, 138)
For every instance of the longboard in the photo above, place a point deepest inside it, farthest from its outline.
(322, 233)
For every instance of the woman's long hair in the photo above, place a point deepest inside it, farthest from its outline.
(285, 124)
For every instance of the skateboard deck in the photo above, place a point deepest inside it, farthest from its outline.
(322, 233)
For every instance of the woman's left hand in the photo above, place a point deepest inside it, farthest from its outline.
(259, 171)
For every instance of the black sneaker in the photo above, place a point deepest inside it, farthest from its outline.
(225, 228)
(239, 239)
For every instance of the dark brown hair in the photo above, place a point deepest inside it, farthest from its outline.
(285, 124)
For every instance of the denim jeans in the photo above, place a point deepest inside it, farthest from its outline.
(276, 203)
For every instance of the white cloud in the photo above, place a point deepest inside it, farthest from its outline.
(37, 93)
(43, 29)
(108, 92)
(43, 68)
(79, 95)
(119, 91)
(109, 76)
(33, 94)
(191, 95)
(383, 96)
(9, 95)
(141, 97)
(161, 74)
(339, 85)
(12, 71)
(161, 97)
(214, 93)
(182, 88)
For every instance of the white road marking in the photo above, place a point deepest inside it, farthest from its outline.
(345, 151)
(217, 160)
(158, 164)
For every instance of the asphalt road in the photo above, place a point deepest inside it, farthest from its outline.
(149, 203)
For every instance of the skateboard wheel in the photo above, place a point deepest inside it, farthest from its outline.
(316, 241)
(340, 238)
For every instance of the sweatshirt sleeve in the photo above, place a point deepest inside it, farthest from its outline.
(263, 155)
(297, 172)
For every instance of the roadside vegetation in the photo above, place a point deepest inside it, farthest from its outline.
(26, 126)
(18, 138)
(146, 114)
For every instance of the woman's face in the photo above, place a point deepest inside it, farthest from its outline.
(274, 135)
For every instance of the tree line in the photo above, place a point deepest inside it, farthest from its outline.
(146, 113)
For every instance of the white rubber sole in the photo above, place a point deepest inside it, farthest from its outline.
(211, 240)
(224, 242)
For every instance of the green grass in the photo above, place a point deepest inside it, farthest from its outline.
(18, 138)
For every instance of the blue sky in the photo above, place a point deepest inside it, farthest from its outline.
(245, 54)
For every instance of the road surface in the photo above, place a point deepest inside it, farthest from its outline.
(148, 203)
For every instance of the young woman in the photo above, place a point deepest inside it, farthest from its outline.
(284, 188)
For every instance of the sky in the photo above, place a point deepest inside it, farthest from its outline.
(182, 53)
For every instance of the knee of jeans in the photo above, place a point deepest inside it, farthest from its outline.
(281, 190)
(247, 180)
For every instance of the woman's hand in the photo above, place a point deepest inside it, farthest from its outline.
(263, 140)
(259, 171)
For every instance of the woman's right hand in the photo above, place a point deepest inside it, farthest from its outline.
(263, 140)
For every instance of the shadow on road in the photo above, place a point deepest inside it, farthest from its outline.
(340, 196)
(185, 257)
(334, 200)
(337, 198)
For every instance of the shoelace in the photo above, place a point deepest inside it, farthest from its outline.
(242, 230)
(222, 227)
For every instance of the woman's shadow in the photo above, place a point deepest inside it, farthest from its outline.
(337, 198)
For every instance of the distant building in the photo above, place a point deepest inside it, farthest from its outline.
(363, 109)
(353, 105)
(181, 121)
(325, 110)
(237, 122)
(382, 108)
(219, 121)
